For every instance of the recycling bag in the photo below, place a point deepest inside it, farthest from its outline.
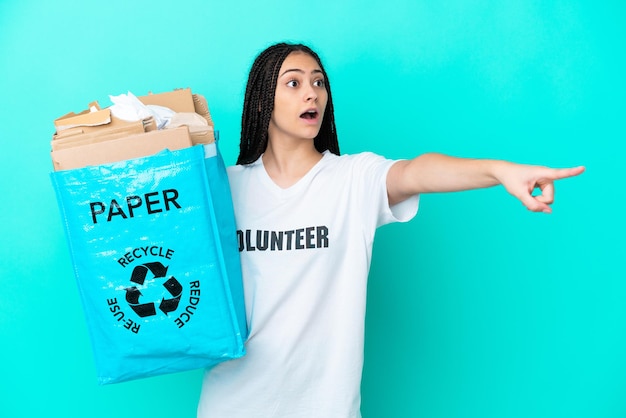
(155, 257)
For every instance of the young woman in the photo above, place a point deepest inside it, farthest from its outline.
(306, 219)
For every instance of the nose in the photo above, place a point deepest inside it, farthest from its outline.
(310, 94)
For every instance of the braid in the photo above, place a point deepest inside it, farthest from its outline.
(259, 103)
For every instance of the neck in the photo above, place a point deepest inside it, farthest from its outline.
(288, 163)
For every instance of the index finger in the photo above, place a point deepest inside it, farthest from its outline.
(562, 173)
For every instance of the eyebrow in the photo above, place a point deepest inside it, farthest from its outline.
(298, 70)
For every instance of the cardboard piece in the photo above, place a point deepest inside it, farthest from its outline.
(84, 118)
(95, 136)
(201, 107)
(199, 136)
(81, 137)
(183, 101)
(180, 100)
(115, 123)
(199, 129)
(206, 136)
(120, 149)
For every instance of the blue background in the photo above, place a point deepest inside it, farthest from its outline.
(477, 308)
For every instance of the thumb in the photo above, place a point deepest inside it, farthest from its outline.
(546, 194)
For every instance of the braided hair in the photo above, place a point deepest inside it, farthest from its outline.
(259, 104)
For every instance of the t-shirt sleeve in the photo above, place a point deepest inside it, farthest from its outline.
(372, 177)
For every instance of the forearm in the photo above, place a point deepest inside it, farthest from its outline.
(430, 173)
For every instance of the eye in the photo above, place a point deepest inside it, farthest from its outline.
(292, 83)
(319, 83)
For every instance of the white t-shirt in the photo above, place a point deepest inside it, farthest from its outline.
(305, 253)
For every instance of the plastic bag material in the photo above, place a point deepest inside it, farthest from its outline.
(155, 257)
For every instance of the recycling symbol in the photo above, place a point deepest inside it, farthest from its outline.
(171, 285)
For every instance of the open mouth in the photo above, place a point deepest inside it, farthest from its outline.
(309, 114)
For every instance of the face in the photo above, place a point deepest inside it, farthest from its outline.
(300, 99)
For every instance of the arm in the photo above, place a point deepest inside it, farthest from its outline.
(431, 173)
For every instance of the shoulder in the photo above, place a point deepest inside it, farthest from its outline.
(241, 169)
(357, 159)
(363, 162)
(240, 175)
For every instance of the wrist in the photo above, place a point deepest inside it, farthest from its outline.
(497, 170)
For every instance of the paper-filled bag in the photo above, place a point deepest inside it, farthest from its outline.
(156, 261)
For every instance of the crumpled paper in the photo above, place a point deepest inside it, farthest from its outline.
(129, 108)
